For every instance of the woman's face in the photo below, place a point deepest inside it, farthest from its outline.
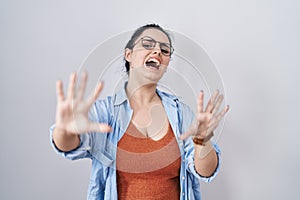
(147, 62)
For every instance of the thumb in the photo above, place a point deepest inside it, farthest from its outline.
(100, 127)
(192, 130)
(186, 134)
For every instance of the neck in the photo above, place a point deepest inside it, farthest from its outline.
(141, 93)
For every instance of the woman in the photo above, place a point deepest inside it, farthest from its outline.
(139, 139)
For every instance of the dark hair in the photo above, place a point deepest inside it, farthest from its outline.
(137, 33)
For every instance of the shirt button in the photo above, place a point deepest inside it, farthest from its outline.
(183, 177)
(183, 194)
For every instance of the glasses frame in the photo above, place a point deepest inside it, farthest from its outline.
(160, 45)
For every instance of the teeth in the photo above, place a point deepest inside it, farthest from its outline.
(154, 60)
(153, 63)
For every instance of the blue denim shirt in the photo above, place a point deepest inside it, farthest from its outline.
(101, 148)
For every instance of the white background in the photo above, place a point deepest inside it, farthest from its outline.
(255, 45)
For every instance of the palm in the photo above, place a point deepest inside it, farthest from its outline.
(72, 111)
(207, 120)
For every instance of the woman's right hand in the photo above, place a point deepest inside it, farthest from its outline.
(72, 109)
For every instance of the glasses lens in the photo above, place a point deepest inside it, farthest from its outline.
(165, 49)
(148, 43)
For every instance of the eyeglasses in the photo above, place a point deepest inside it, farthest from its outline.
(149, 44)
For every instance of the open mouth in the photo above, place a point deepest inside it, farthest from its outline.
(152, 63)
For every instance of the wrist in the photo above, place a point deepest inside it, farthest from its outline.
(65, 141)
(63, 133)
(202, 141)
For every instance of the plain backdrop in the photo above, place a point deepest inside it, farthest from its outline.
(254, 44)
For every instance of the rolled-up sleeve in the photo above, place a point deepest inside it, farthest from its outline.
(192, 169)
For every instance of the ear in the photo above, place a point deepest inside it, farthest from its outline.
(127, 54)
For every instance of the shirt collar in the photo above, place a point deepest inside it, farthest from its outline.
(121, 96)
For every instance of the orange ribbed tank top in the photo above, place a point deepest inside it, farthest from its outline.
(148, 169)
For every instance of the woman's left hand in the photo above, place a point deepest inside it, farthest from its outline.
(206, 120)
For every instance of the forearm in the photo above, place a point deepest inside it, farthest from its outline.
(65, 141)
(206, 159)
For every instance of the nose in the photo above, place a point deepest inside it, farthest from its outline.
(157, 49)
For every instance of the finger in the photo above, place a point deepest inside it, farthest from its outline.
(218, 104)
(92, 98)
(222, 113)
(215, 121)
(211, 102)
(59, 91)
(100, 127)
(186, 135)
(71, 89)
(213, 126)
(200, 102)
(82, 85)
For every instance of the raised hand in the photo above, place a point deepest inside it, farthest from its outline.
(72, 110)
(206, 120)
